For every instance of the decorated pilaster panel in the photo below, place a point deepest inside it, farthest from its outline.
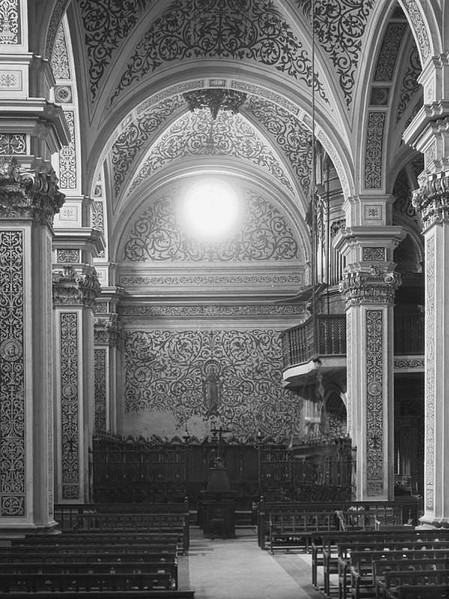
(106, 357)
(432, 202)
(28, 201)
(369, 297)
(74, 293)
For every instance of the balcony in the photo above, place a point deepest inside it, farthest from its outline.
(322, 341)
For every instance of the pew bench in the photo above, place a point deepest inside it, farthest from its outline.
(434, 591)
(91, 549)
(294, 530)
(336, 548)
(173, 526)
(16, 556)
(345, 560)
(62, 582)
(363, 564)
(153, 594)
(388, 585)
(166, 574)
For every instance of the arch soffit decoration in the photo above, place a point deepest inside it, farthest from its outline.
(390, 82)
(118, 55)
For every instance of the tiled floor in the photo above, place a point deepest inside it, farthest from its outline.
(239, 569)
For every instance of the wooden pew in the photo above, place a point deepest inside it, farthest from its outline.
(363, 566)
(434, 591)
(380, 514)
(16, 555)
(381, 568)
(85, 581)
(294, 530)
(387, 586)
(336, 547)
(170, 525)
(92, 594)
(91, 549)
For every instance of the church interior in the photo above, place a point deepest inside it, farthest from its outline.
(223, 291)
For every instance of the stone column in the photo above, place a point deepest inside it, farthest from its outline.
(368, 285)
(75, 289)
(432, 202)
(429, 134)
(28, 202)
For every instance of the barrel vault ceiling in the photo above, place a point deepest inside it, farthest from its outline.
(140, 64)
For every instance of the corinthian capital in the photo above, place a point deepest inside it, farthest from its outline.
(71, 288)
(373, 286)
(431, 200)
(28, 194)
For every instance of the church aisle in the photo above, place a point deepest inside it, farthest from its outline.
(238, 569)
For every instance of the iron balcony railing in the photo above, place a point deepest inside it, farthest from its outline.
(325, 335)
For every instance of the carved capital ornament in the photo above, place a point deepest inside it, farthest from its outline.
(369, 287)
(70, 288)
(28, 194)
(431, 200)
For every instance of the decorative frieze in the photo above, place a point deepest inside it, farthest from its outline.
(373, 254)
(431, 200)
(28, 194)
(71, 288)
(12, 143)
(210, 311)
(373, 286)
(68, 256)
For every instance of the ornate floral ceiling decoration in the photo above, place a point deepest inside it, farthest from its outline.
(290, 134)
(227, 29)
(264, 234)
(197, 134)
(215, 99)
(339, 28)
(409, 86)
(137, 134)
(106, 24)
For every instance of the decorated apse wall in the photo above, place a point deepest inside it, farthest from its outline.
(215, 361)
(189, 381)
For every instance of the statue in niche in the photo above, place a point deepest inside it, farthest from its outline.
(211, 391)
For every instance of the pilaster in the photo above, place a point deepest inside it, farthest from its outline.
(107, 351)
(28, 201)
(431, 200)
(368, 286)
(75, 289)
(429, 133)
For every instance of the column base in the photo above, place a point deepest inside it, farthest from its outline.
(17, 531)
(429, 521)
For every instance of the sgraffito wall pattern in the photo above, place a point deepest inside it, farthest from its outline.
(229, 29)
(197, 134)
(100, 356)
(231, 376)
(290, 134)
(10, 22)
(106, 24)
(339, 27)
(69, 405)
(136, 134)
(374, 395)
(12, 375)
(157, 236)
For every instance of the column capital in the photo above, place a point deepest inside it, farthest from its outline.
(431, 199)
(28, 193)
(107, 330)
(74, 288)
(369, 285)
